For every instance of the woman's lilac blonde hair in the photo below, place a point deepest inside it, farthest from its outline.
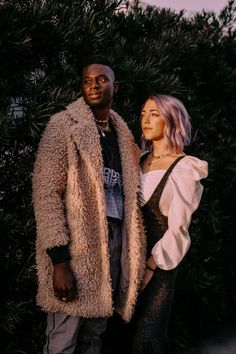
(177, 132)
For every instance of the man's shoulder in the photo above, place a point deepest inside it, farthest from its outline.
(57, 125)
(60, 118)
(76, 105)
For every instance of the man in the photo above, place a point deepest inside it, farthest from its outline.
(90, 248)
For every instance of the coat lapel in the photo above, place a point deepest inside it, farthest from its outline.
(129, 154)
(86, 137)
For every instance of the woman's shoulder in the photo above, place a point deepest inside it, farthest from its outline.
(192, 167)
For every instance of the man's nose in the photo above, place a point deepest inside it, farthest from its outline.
(95, 84)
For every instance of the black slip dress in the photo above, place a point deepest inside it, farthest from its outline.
(154, 304)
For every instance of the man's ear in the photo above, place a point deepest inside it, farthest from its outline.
(116, 86)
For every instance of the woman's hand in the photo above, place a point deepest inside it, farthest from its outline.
(146, 279)
(150, 269)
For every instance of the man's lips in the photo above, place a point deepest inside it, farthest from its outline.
(95, 95)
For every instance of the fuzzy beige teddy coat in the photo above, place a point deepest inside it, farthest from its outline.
(69, 204)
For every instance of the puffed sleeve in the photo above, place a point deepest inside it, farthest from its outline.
(185, 198)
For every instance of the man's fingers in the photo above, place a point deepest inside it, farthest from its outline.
(66, 295)
(72, 294)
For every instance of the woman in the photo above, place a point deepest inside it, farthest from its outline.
(170, 193)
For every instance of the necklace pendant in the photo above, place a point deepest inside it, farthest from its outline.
(102, 132)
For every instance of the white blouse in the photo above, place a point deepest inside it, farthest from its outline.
(180, 198)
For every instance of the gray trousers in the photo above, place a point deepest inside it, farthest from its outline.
(77, 335)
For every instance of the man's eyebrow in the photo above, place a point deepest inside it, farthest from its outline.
(100, 75)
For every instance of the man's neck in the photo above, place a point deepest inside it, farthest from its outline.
(101, 113)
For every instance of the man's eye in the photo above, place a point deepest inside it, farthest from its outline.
(102, 79)
(86, 82)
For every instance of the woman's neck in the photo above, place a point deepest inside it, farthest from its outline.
(159, 148)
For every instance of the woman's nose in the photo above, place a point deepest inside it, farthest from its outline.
(146, 118)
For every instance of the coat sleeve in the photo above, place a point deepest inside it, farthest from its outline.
(49, 182)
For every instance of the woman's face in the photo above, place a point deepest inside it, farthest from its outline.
(152, 122)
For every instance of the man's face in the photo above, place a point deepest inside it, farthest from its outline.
(98, 85)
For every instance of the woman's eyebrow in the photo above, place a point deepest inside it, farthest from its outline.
(151, 110)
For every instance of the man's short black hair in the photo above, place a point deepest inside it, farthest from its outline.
(96, 59)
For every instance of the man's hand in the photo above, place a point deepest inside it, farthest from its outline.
(64, 283)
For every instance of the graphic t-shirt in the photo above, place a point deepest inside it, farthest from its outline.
(112, 174)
